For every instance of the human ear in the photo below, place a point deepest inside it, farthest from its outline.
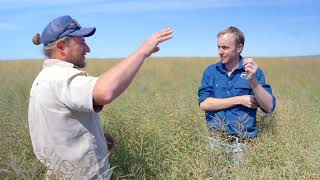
(60, 45)
(239, 48)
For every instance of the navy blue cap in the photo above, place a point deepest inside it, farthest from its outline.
(64, 26)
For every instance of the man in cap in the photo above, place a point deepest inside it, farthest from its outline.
(64, 123)
(230, 92)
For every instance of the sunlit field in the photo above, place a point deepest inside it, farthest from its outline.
(161, 132)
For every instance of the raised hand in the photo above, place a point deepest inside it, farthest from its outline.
(250, 66)
(150, 46)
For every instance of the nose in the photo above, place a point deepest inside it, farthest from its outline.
(86, 48)
(220, 51)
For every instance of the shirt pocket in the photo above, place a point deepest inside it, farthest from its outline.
(220, 89)
(242, 88)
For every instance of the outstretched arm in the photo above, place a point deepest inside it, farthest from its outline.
(114, 81)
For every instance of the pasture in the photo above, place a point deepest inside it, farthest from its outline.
(161, 131)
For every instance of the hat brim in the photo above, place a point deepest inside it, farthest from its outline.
(84, 32)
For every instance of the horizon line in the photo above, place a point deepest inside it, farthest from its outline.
(162, 57)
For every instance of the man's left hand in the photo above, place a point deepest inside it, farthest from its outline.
(250, 66)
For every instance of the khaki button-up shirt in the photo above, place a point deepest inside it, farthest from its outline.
(64, 124)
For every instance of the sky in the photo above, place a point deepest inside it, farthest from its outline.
(272, 28)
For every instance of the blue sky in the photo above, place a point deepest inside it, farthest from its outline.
(271, 28)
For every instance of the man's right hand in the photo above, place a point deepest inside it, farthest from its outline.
(248, 101)
(150, 46)
(114, 81)
(110, 141)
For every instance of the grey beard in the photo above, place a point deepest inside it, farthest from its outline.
(82, 64)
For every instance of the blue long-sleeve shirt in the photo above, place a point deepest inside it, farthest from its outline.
(237, 120)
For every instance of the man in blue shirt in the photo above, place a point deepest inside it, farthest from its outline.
(232, 90)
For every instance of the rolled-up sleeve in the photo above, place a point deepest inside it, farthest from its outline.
(267, 87)
(205, 90)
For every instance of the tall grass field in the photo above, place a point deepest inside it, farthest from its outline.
(161, 132)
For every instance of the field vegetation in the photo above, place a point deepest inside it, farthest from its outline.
(161, 132)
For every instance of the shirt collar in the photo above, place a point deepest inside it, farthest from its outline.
(223, 68)
(57, 63)
(241, 63)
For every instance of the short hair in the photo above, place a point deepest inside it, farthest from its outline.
(239, 37)
(48, 49)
